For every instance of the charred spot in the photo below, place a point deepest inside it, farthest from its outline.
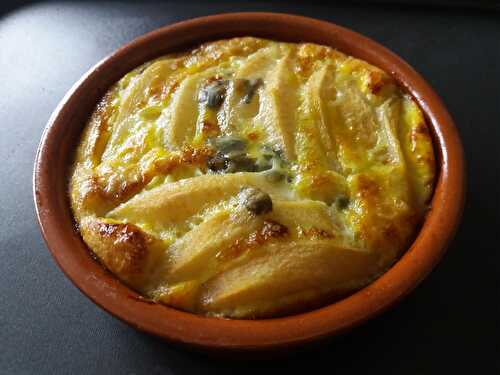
(315, 233)
(125, 247)
(421, 128)
(253, 136)
(376, 82)
(214, 78)
(270, 230)
(367, 187)
(188, 156)
(210, 128)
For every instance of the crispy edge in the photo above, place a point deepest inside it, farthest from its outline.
(124, 249)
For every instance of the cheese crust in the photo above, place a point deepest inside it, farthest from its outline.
(251, 178)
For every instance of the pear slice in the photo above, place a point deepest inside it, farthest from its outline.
(417, 148)
(355, 127)
(173, 203)
(314, 118)
(256, 66)
(279, 104)
(181, 116)
(125, 249)
(136, 92)
(194, 253)
(301, 216)
(257, 287)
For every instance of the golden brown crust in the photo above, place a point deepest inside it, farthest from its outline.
(269, 230)
(189, 156)
(123, 248)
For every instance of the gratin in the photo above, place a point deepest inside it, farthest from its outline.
(250, 178)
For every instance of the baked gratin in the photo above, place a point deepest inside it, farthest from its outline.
(251, 178)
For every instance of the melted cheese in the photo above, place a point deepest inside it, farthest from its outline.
(352, 174)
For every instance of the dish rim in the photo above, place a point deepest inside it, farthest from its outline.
(73, 257)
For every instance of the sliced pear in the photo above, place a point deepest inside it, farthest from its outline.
(388, 116)
(256, 66)
(416, 142)
(278, 106)
(226, 228)
(136, 92)
(303, 215)
(173, 203)
(285, 269)
(193, 254)
(180, 118)
(317, 90)
(356, 130)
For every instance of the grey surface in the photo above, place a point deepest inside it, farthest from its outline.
(450, 324)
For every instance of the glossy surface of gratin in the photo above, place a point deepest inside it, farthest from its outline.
(251, 178)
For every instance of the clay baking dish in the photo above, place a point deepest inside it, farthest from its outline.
(62, 133)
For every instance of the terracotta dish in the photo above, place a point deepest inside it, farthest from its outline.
(62, 135)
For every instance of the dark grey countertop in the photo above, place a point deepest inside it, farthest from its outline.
(449, 325)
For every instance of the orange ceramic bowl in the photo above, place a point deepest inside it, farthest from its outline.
(62, 135)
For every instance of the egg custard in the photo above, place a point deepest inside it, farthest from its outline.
(251, 178)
